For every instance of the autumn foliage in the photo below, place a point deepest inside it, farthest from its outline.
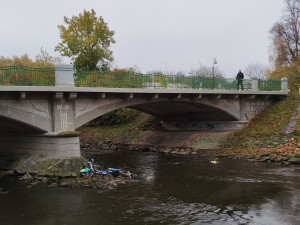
(265, 137)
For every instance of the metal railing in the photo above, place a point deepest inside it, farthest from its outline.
(160, 81)
(269, 85)
(19, 75)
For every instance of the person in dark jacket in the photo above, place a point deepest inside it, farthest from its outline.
(239, 78)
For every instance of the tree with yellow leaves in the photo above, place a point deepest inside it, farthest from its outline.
(86, 40)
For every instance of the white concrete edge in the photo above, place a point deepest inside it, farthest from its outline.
(215, 122)
(133, 90)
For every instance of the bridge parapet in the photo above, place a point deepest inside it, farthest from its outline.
(64, 75)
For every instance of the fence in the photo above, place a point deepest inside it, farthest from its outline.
(19, 75)
(269, 85)
(160, 81)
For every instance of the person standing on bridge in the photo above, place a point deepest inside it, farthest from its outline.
(239, 78)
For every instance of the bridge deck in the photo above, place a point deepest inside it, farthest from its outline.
(135, 90)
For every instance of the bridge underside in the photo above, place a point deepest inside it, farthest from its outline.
(8, 126)
(184, 112)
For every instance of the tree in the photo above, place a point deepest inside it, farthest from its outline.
(44, 59)
(206, 71)
(285, 35)
(256, 70)
(86, 40)
(24, 60)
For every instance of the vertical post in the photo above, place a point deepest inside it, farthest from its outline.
(64, 75)
(213, 70)
(284, 84)
(254, 84)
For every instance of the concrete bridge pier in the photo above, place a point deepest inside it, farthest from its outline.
(48, 130)
(47, 120)
(43, 145)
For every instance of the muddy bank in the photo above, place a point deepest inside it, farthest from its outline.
(113, 146)
(290, 155)
(174, 142)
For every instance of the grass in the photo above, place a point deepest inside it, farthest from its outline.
(265, 132)
(124, 132)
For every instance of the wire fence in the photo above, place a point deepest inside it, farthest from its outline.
(19, 75)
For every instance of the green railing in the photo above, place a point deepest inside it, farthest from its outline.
(153, 81)
(269, 85)
(19, 75)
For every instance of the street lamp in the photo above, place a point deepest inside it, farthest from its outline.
(213, 71)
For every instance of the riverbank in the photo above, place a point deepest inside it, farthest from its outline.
(146, 134)
(56, 172)
(267, 139)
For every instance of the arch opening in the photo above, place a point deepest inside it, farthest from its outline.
(13, 126)
(176, 111)
(166, 111)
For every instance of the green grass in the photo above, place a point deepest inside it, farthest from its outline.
(266, 130)
(125, 132)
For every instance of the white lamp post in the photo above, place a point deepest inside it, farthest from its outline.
(213, 70)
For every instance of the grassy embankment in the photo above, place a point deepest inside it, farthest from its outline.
(93, 135)
(264, 138)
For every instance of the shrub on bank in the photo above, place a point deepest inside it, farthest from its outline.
(118, 116)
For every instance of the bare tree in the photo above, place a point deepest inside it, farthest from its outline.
(205, 71)
(285, 35)
(256, 70)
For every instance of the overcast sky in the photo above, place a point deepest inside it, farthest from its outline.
(167, 35)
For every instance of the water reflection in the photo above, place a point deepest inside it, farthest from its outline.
(171, 190)
(147, 167)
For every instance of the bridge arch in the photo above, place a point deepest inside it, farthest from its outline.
(167, 110)
(17, 120)
(10, 125)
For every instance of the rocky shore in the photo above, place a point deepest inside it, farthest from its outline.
(58, 173)
(276, 155)
(118, 146)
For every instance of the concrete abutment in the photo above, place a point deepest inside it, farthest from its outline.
(43, 146)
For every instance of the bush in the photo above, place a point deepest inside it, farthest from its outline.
(118, 116)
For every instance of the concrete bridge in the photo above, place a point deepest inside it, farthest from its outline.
(33, 119)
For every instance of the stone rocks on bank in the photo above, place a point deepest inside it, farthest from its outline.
(117, 146)
(57, 173)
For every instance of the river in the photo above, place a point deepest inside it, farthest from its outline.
(171, 189)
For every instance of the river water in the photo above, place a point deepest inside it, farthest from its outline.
(171, 190)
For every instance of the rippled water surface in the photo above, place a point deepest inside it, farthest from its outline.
(171, 190)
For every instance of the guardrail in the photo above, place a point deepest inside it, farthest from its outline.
(19, 75)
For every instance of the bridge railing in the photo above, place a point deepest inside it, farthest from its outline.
(160, 81)
(269, 85)
(19, 75)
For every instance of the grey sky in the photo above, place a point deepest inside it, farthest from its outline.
(163, 35)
